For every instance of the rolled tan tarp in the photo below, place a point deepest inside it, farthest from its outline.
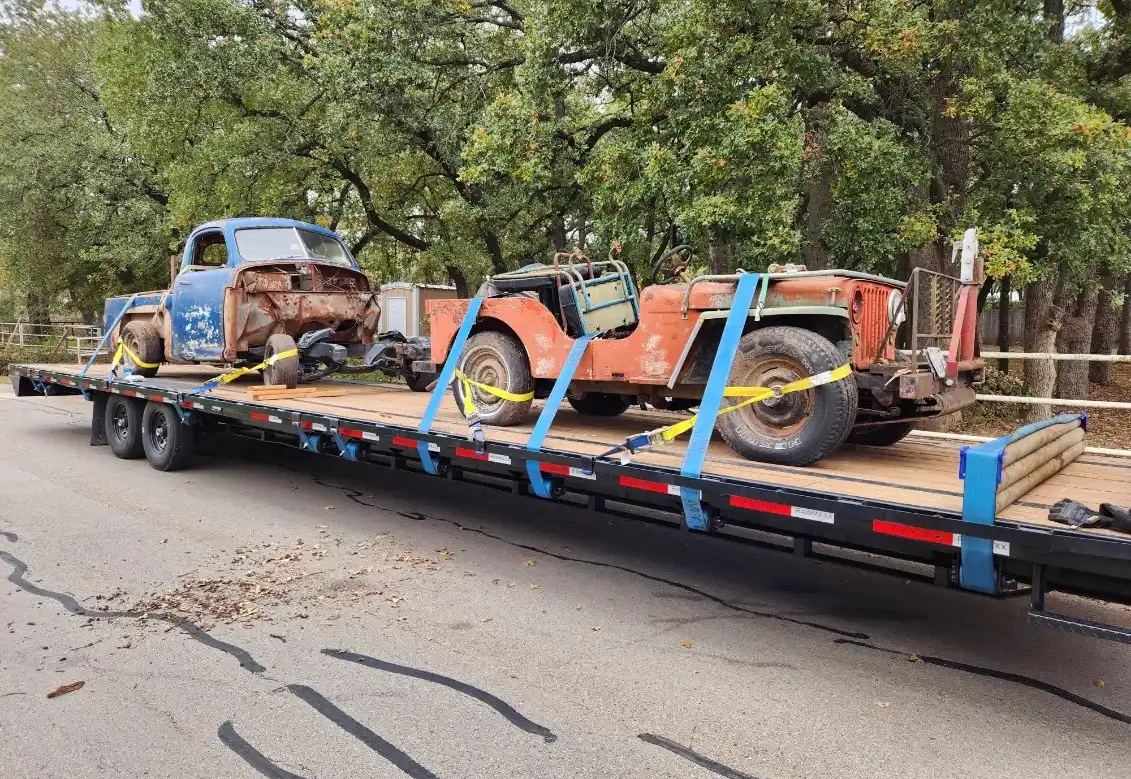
(1035, 477)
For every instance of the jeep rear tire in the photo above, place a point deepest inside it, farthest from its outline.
(880, 435)
(795, 429)
(497, 360)
(598, 404)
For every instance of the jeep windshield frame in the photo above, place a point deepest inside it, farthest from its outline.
(263, 244)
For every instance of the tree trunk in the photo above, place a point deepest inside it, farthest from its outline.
(1043, 320)
(459, 280)
(1125, 320)
(1003, 307)
(815, 251)
(1105, 332)
(1076, 338)
(719, 256)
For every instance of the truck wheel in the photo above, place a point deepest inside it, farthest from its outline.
(598, 404)
(142, 339)
(880, 435)
(168, 442)
(284, 371)
(123, 427)
(795, 429)
(497, 360)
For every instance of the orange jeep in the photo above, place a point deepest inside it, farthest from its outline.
(658, 347)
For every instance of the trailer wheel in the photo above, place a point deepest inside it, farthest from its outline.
(168, 442)
(880, 435)
(598, 404)
(143, 340)
(497, 360)
(795, 429)
(123, 427)
(284, 371)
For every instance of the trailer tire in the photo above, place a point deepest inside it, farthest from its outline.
(880, 435)
(497, 360)
(122, 423)
(598, 404)
(796, 429)
(168, 442)
(144, 341)
(284, 371)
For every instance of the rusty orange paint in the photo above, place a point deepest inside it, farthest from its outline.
(650, 354)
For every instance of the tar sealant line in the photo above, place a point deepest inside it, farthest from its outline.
(250, 755)
(194, 631)
(1006, 676)
(693, 756)
(502, 707)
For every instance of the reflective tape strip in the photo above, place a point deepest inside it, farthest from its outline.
(649, 486)
(401, 441)
(487, 457)
(364, 435)
(916, 533)
(565, 470)
(783, 509)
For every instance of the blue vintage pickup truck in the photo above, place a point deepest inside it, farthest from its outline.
(247, 290)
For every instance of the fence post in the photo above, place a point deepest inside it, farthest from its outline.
(20, 325)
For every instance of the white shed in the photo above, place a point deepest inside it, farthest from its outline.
(403, 305)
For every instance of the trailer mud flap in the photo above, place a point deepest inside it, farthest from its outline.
(695, 515)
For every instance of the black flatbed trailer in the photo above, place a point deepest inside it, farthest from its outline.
(904, 507)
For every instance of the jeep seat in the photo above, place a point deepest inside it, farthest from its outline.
(598, 305)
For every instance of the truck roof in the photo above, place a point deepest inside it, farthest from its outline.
(237, 223)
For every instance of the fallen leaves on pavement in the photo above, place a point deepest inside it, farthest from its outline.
(66, 688)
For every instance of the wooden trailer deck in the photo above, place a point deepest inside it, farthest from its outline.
(919, 472)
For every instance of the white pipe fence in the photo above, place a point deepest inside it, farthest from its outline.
(78, 340)
(1112, 404)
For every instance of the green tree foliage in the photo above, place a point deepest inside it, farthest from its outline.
(450, 138)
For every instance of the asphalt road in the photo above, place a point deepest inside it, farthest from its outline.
(269, 613)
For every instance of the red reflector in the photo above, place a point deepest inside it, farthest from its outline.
(306, 425)
(131, 393)
(471, 453)
(761, 505)
(157, 398)
(398, 441)
(350, 433)
(186, 404)
(561, 470)
(915, 533)
(643, 484)
(259, 417)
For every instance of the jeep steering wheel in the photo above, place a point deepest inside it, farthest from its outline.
(673, 262)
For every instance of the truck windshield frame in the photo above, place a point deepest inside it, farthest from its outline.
(260, 244)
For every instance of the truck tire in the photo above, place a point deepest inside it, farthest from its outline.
(284, 371)
(497, 360)
(168, 442)
(799, 428)
(143, 340)
(880, 435)
(598, 404)
(122, 423)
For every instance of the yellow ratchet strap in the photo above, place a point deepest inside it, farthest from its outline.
(758, 394)
(135, 360)
(468, 383)
(212, 384)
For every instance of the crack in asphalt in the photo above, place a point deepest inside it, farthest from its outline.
(356, 496)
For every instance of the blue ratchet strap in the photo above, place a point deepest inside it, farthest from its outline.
(694, 514)
(106, 335)
(539, 483)
(442, 383)
(980, 469)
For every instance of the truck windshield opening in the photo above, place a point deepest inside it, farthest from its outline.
(280, 243)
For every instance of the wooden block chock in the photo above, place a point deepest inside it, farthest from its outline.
(280, 392)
